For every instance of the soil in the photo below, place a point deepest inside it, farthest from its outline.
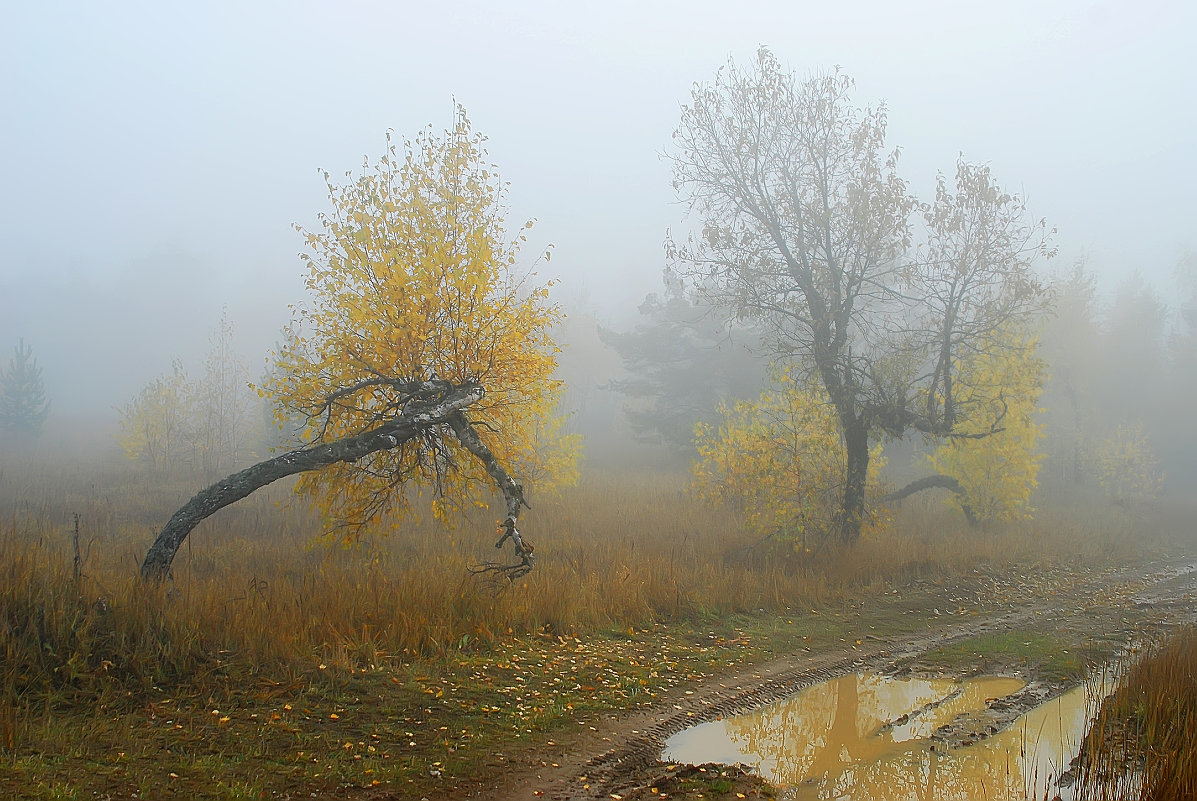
(616, 757)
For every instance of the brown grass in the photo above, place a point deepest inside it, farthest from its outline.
(107, 685)
(1142, 743)
(251, 595)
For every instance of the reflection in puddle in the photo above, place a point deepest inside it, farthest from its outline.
(831, 741)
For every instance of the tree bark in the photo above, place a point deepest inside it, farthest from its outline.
(936, 481)
(856, 443)
(513, 494)
(415, 419)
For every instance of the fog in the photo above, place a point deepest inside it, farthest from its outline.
(156, 156)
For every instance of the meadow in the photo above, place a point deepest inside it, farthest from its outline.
(273, 660)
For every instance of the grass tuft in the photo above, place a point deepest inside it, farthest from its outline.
(1141, 745)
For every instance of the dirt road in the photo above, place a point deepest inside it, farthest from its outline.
(617, 756)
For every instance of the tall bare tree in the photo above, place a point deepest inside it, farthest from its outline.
(808, 228)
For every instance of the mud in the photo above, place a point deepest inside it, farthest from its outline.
(616, 756)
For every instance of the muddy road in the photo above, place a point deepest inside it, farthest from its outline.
(616, 756)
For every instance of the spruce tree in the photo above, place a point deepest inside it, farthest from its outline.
(23, 404)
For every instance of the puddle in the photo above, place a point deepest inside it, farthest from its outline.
(832, 741)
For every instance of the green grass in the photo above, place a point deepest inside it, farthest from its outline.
(1049, 656)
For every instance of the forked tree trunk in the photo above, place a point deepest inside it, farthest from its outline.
(411, 423)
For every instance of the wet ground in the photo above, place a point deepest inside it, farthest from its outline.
(868, 736)
(623, 756)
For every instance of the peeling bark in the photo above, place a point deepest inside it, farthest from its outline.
(444, 407)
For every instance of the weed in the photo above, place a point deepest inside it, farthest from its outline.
(1046, 655)
(1141, 744)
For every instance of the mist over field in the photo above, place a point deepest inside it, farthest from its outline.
(157, 157)
(406, 398)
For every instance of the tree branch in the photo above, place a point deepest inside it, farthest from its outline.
(513, 494)
(937, 481)
(412, 422)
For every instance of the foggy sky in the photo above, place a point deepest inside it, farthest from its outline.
(156, 154)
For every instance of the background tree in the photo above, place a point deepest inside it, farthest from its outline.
(274, 430)
(994, 459)
(1134, 355)
(422, 361)
(682, 361)
(1179, 449)
(807, 227)
(780, 460)
(1127, 468)
(202, 425)
(153, 425)
(221, 403)
(23, 403)
(1068, 342)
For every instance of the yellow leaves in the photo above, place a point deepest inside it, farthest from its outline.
(779, 458)
(1126, 466)
(997, 391)
(152, 425)
(412, 277)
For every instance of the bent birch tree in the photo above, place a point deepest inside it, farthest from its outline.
(422, 360)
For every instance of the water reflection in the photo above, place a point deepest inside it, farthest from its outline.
(831, 741)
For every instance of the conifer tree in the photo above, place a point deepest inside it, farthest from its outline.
(23, 404)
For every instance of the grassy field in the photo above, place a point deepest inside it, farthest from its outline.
(270, 665)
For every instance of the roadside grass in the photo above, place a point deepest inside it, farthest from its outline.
(270, 664)
(704, 781)
(1050, 656)
(1141, 744)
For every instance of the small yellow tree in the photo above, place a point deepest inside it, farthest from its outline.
(994, 455)
(153, 425)
(781, 460)
(413, 278)
(202, 424)
(423, 361)
(1127, 467)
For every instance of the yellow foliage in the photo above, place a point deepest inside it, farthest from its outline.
(1127, 467)
(994, 455)
(413, 277)
(153, 425)
(782, 460)
(202, 424)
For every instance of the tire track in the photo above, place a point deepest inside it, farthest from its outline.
(622, 751)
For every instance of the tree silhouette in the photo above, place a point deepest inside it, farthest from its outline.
(23, 404)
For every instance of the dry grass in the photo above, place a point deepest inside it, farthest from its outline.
(278, 634)
(1141, 744)
(252, 595)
